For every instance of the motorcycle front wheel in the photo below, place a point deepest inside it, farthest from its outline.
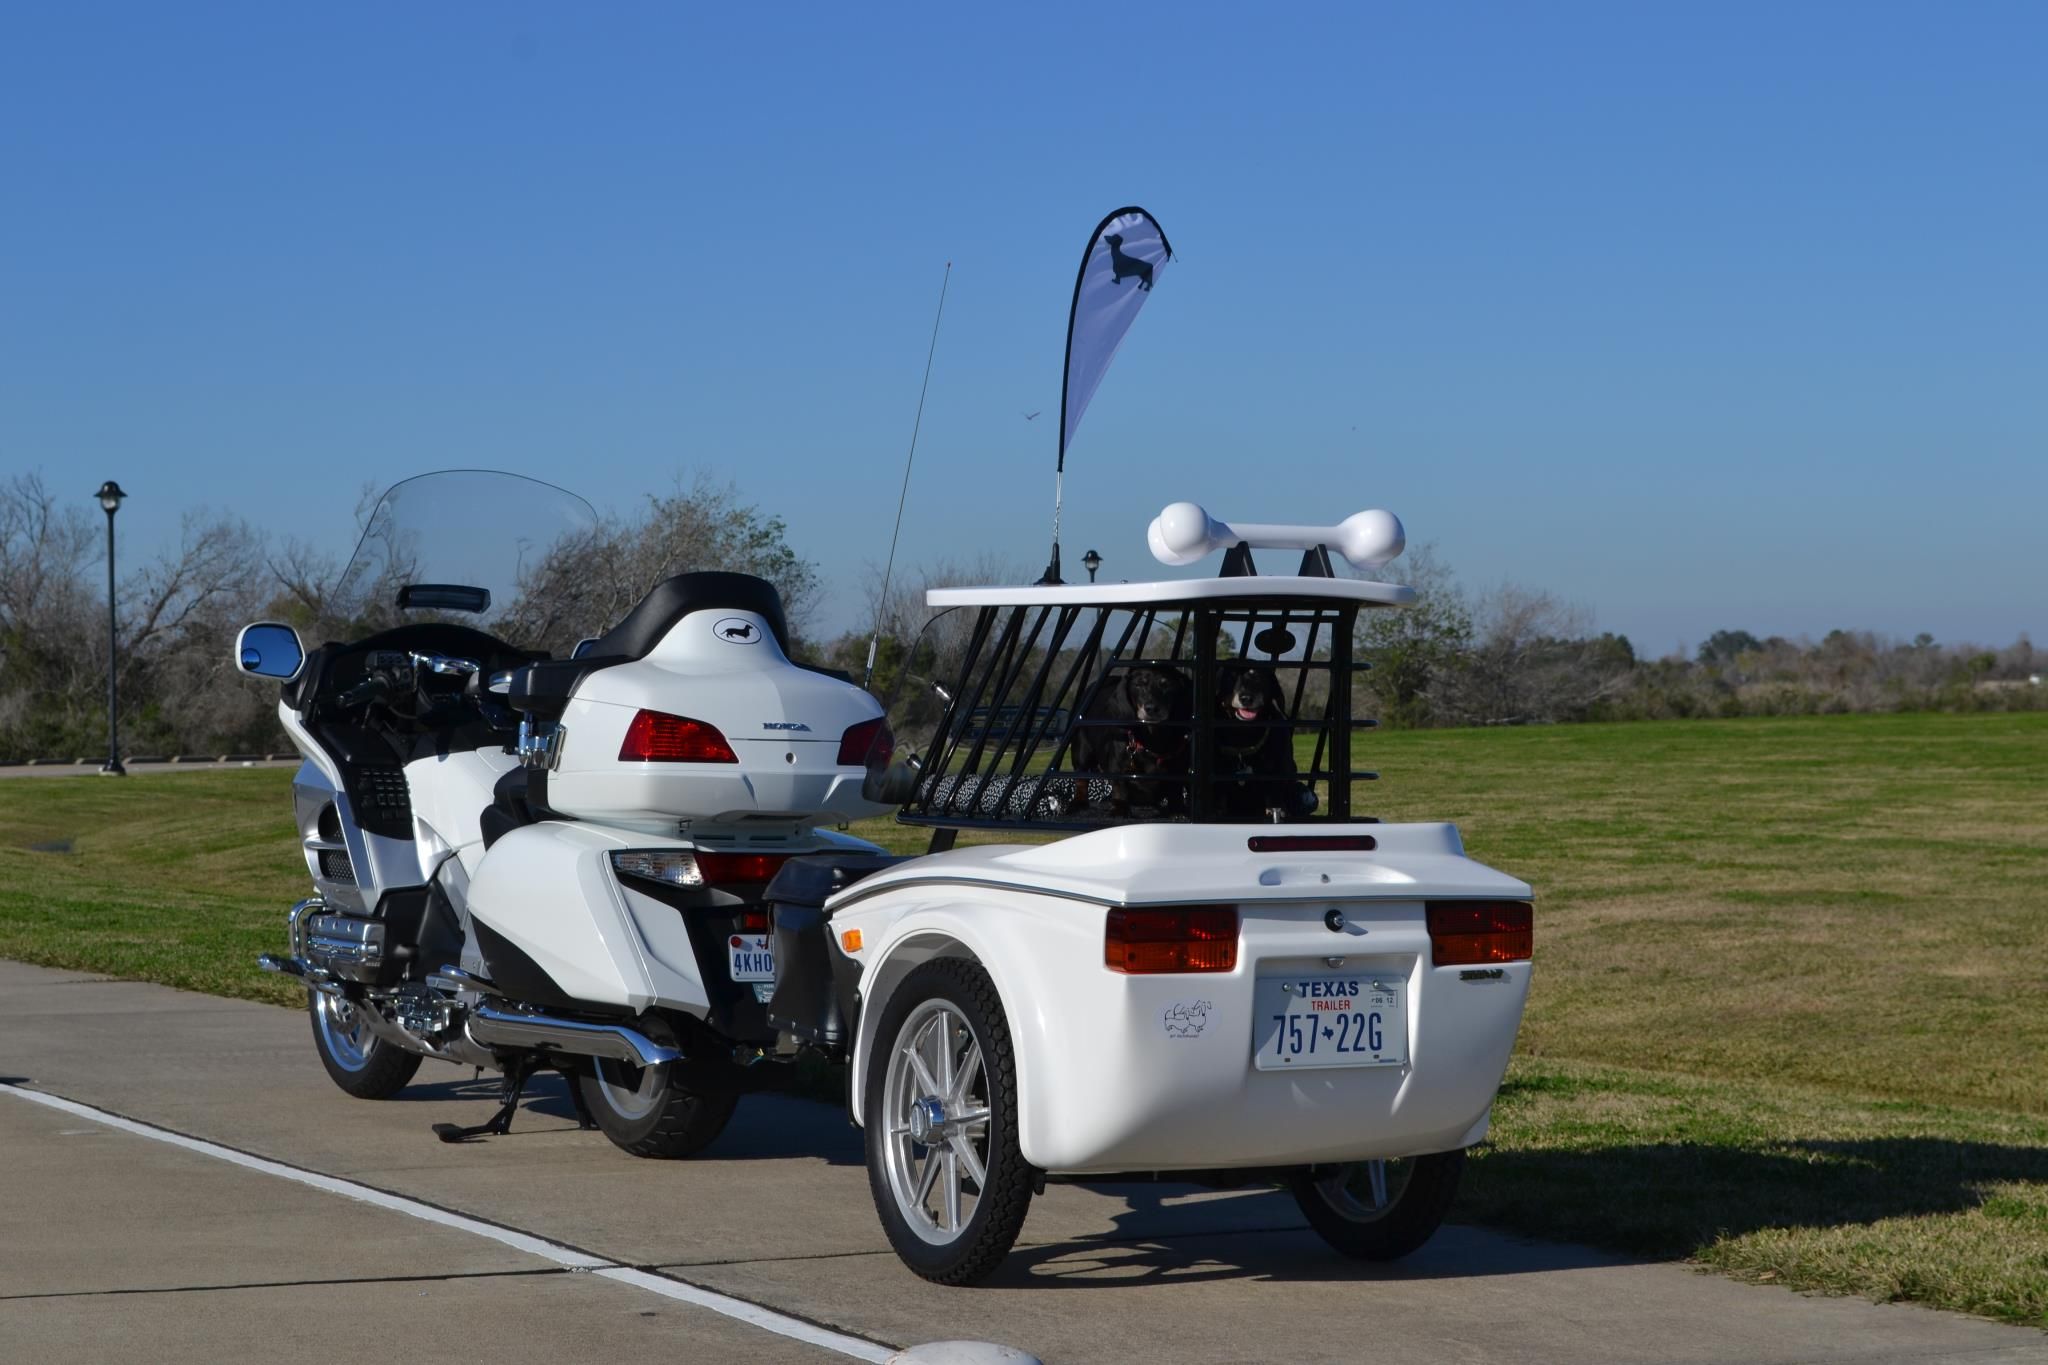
(645, 1112)
(357, 1060)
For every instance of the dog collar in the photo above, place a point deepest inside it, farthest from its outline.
(1132, 738)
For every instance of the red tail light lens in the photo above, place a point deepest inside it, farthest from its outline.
(657, 737)
(1178, 938)
(1311, 843)
(739, 869)
(869, 742)
(753, 922)
(1469, 933)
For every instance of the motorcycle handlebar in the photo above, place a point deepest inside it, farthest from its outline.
(373, 688)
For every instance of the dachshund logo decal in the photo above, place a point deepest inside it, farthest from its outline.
(1121, 265)
(735, 630)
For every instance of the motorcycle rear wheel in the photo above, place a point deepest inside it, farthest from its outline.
(645, 1112)
(357, 1060)
(1380, 1210)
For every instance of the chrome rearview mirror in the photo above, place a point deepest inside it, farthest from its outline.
(271, 650)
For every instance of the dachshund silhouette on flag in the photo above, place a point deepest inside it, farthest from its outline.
(1121, 265)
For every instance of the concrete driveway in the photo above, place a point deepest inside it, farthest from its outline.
(550, 1245)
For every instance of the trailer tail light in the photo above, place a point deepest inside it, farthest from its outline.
(1176, 938)
(1466, 933)
(868, 744)
(658, 737)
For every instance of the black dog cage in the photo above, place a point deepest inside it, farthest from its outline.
(1206, 701)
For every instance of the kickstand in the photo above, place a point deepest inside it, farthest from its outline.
(585, 1120)
(499, 1123)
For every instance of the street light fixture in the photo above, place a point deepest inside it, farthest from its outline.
(110, 496)
(1091, 562)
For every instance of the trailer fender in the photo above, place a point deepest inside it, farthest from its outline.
(1018, 950)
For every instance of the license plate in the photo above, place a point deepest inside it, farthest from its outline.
(1312, 1021)
(751, 960)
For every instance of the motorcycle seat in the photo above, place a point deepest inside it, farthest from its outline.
(543, 689)
(520, 798)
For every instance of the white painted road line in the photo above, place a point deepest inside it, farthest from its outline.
(740, 1310)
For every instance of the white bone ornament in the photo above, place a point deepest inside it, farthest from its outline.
(1184, 533)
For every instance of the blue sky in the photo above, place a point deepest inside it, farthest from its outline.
(1720, 315)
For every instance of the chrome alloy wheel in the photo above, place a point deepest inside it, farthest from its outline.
(633, 1092)
(1366, 1191)
(935, 1113)
(344, 1031)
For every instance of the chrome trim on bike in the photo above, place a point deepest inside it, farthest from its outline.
(316, 979)
(491, 1025)
(454, 981)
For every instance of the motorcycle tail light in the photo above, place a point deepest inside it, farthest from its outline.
(737, 869)
(687, 867)
(670, 866)
(869, 743)
(754, 922)
(658, 737)
(1175, 938)
(1467, 933)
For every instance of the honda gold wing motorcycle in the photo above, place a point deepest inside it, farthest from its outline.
(523, 862)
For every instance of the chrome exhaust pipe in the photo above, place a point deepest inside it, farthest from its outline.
(323, 981)
(492, 1025)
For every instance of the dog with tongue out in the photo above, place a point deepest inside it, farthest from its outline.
(1254, 750)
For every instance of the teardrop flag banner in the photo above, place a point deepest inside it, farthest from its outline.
(1125, 258)
(1124, 261)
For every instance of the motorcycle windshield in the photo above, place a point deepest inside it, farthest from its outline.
(478, 547)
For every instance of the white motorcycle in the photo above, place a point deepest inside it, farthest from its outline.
(523, 862)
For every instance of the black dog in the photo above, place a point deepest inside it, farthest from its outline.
(1254, 756)
(1121, 265)
(1136, 733)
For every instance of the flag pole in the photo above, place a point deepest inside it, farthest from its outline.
(882, 602)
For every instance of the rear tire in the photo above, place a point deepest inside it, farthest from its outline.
(1382, 1218)
(933, 1122)
(645, 1112)
(357, 1060)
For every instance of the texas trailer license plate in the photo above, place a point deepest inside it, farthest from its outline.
(751, 959)
(1311, 1021)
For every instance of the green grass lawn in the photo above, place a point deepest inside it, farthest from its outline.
(1791, 1003)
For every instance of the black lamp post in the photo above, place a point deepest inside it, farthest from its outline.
(1091, 562)
(110, 496)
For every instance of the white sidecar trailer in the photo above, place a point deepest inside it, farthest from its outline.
(1192, 955)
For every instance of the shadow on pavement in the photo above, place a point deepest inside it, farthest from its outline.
(766, 1127)
(1277, 1255)
(1671, 1200)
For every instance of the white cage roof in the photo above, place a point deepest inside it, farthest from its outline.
(1176, 590)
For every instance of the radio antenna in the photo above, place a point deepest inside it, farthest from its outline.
(888, 570)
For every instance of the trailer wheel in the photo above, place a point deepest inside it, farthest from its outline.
(1380, 1210)
(357, 1060)
(645, 1111)
(947, 1175)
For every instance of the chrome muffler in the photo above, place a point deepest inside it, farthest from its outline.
(315, 978)
(493, 1025)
